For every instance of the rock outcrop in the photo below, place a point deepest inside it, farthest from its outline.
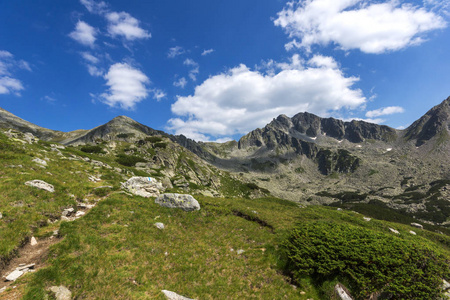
(143, 186)
(41, 185)
(183, 201)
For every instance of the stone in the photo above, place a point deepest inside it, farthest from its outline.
(174, 296)
(67, 212)
(159, 225)
(341, 291)
(367, 219)
(240, 251)
(14, 275)
(1, 216)
(79, 214)
(417, 225)
(33, 241)
(412, 232)
(183, 201)
(61, 292)
(394, 231)
(25, 267)
(143, 186)
(30, 138)
(40, 161)
(94, 179)
(2, 289)
(57, 146)
(41, 185)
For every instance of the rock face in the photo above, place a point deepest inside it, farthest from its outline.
(185, 202)
(143, 186)
(61, 292)
(41, 185)
(341, 292)
(174, 296)
(436, 122)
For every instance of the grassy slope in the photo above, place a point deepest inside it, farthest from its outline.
(115, 252)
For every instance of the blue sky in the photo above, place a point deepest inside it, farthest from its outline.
(214, 70)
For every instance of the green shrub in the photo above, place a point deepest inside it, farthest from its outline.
(92, 149)
(153, 139)
(160, 145)
(125, 135)
(368, 261)
(128, 160)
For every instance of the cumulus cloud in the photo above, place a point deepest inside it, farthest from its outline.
(95, 7)
(206, 52)
(84, 34)
(370, 26)
(91, 62)
(175, 51)
(127, 86)
(123, 24)
(8, 66)
(385, 111)
(195, 68)
(241, 99)
(181, 83)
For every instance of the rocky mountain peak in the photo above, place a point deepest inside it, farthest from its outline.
(435, 123)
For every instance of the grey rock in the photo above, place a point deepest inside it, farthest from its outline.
(61, 292)
(30, 138)
(394, 231)
(240, 251)
(159, 225)
(1, 216)
(40, 161)
(174, 296)
(417, 225)
(41, 185)
(143, 186)
(24, 267)
(14, 275)
(342, 292)
(33, 241)
(2, 289)
(367, 219)
(67, 212)
(183, 201)
(412, 232)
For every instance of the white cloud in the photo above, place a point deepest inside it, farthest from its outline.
(95, 7)
(10, 85)
(180, 82)
(371, 26)
(127, 86)
(84, 34)
(8, 66)
(175, 51)
(49, 99)
(94, 71)
(90, 58)
(158, 94)
(241, 99)
(91, 62)
(123, 24)
(195, 68)
(206, 52)
(385, 111)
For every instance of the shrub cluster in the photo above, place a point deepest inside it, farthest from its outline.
(369, 261)
(129, 160)
(92, 149)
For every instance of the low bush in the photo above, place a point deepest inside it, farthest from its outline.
(129, 160)
(92, 149)
(368, 261)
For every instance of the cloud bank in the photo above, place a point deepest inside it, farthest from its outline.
(370, 26)
(241, 99)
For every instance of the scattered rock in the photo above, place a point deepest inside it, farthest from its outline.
(367, 219)
(412, 232)
(14, 275)
(79, 214)
(417, 225)
(94, 179)
(159, 225)
(183, 201)
(342, 292)
(30, 138)
(240, 251)
(339, 208)
(57, 146)
(61, 292)
(2, 289)
(24, 267)
(174, 296)
(1, 216)
(67, 212)
(394, 231)
(41, 185)
(143, 186)
(40, 161)
(33, 241)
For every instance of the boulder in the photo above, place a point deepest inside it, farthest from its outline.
(394, 231)
(30, 138)
(41, 185)
(33, 241)
(40, 161)
(67, 212)
(14, 275)
(143, 186)
(61, 292)
(1, 216)
(174, 296)
(183, 201)
(417, 225)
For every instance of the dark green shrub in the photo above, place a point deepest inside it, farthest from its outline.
(92, 149)
(153, 139)
(125, 135)
(367, 260)
(160, 145)
(128, 160)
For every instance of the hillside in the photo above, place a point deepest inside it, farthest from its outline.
(94, 238)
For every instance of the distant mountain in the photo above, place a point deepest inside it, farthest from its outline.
(435, 123)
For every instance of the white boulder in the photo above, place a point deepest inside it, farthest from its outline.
(183, 201)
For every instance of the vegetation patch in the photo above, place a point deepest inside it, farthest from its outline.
(369, 262)
(129, 160)
(92, 149)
